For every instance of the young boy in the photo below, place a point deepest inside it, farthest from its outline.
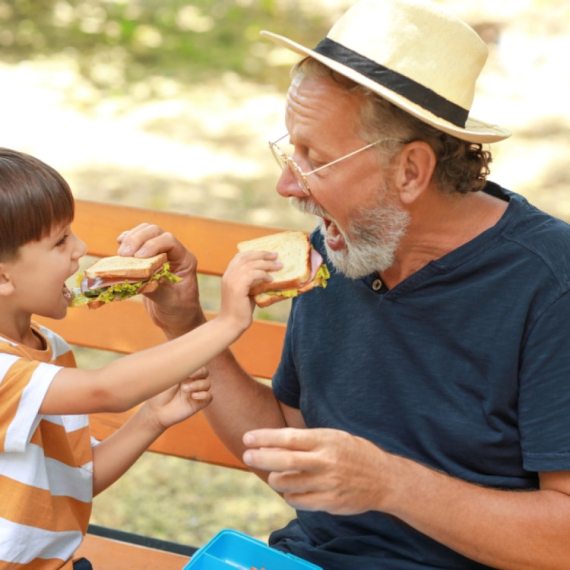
(49, 470)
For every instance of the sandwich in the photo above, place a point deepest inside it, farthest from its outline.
(118, 278)
(303, 267)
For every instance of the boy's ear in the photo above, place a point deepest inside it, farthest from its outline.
(414, 171)
(6, 286)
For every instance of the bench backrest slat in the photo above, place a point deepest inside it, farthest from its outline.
(125, 327)
(213, 241)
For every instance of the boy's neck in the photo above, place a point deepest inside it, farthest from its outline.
(22, 333)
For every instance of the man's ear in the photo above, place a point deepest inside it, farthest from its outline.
(6, 286)
(414, 170)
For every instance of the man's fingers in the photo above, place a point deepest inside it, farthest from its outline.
(296, 483)
(285, 449)
(132, 231)
(132, 239)
(276, 459)
(288, 438)
(146, 240)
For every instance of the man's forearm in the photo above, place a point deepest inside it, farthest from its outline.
(240, 403)
(178, 317)
(502, 529)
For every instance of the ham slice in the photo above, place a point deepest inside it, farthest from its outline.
(316, 262)
(88, 284)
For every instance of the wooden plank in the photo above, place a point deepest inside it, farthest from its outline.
(212, 241)
(190, 439)
(107, 554)
(125, 327)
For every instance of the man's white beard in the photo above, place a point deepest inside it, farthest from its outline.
(372, 238)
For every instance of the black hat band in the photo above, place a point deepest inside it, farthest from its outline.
(404, 86)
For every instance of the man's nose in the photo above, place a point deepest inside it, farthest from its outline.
(288, 187)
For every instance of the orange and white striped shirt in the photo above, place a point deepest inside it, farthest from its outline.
(46, 462)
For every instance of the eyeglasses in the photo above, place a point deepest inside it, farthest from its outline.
(285, 161)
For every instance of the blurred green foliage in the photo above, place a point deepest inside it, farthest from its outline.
(117, 42)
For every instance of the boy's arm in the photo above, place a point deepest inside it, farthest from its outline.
(116, 454)
(137, 377)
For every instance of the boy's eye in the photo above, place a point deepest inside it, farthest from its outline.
(62, 240)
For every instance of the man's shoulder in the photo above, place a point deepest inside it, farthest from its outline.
(535, 227)
(542, 236)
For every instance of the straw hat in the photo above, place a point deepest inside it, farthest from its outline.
(415, 55)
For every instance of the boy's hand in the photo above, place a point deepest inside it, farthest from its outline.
(181, 401)
(245, 270)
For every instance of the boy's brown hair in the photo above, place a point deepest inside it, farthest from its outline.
(33, 198)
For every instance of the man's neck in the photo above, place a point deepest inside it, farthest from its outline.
(440, 224)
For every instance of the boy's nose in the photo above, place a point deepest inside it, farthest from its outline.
(80, 248)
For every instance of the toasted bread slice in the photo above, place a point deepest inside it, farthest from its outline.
(128, 267)
(293, 250)
(263, 300)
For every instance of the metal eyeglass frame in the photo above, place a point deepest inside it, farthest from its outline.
(285, 161)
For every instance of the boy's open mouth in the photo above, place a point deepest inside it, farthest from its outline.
(67, 294)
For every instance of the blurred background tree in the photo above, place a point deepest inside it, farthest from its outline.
(120, 42)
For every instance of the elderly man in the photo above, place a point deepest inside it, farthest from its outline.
(429, 383)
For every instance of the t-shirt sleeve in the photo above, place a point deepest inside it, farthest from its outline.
(544, 396)
(23, 386)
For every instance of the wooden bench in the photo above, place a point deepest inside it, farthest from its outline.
(125, 327)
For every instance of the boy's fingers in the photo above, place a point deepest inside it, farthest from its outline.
(261, 274)
(200, 374)
(191, 385)
(201, 395)
(253, 255)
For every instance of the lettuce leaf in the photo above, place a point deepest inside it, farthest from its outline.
(78, 299)
(322, 275)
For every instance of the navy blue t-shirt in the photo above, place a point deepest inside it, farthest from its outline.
(464, 367)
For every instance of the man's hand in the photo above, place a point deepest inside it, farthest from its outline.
(333, 471)
(174, 308)
(320, 469)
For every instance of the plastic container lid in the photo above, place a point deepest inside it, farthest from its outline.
(233, 549)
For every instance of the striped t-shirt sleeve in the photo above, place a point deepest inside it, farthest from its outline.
(23, 385)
